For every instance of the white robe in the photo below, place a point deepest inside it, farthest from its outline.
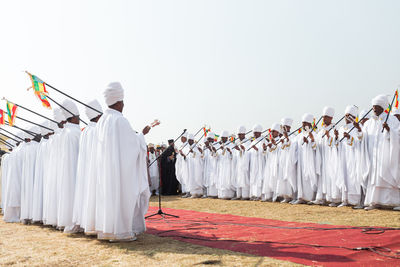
(67, 175)
(28, 179)
(37, 207)
(154, 172)
(4, 169)
(241, 167)
(213, 172)
(181, 168)
(287, 181)
(123, 176)
(307, 176)
(225, 180)
(383, 150)
(257, 163)
(85, 156)
(195, 169)
(271, 172)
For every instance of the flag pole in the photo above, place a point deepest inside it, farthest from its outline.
(61, 106)
(390, 109)
(259, 140)
(9, 137)
(354, 126)
(5, 142)
(12, 134)
(31, 122)
(27, 109)
(289, 134)
(194, 136)
(26, 131)
(333, 127)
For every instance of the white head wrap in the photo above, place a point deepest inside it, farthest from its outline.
(276, 127)
(257, 128)
(328, 111)
(185, 134)
(113, 93)
(90, 113)
(287, 122)
(150, 145)
(190, 137)
(307, 117)
(58, 115)
(71, 106)
(352, 110)
(211, 135)
(242, 130)
(380, 100)
(224, 134)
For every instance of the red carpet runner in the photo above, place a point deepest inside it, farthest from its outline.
(305, 243)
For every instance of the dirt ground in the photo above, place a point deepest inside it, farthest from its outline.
(23, 245)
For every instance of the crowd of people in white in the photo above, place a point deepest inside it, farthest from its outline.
(312, 166)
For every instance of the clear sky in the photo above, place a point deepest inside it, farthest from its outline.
(190, 63)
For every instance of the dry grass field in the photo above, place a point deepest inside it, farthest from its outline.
(36, 245)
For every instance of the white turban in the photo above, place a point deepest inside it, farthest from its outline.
(44, 131)
(396, 111)
(257, 128)
(287, 122)
(113, 93)
(185, 134)
(90, 113)
(211, 135)
(381, 100)
(352, 110)
(363, 113)
(151, 145)
(58, 115)
(307, 117)
(242, 130)
(190, 137)
(70, 106)
(328, 111)
(224, 134)
(276, 127)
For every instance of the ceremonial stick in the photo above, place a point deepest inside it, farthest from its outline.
(31, 122)
(184, 131)
(235, 139)
(289, 135)
(27, 109)
(259, 140)
(12, 134)
(5, 142)
(61, 106)
(80, 102)
(390, 109)
(354, 126)
(8, 146)
(334, 125)
(196, 143)
(26, 131)
(193, 136)
(10, 137)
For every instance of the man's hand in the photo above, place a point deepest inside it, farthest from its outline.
(242, 147)
(286, 136)
(305, 140)
(357, 125)
(255, 148)
(311, 136)
(386, 127)
(327, 134)
(345, 134)
(336, 132)
(201, 150)
(229, 150)
(146, 130)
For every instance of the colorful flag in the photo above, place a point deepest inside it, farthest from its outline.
(396, 100)
(1, 117)
(206, 131)
(216, 137)
(232, 139)
(11, 110)
(299, 131)
(39, 90)
(313, 125)
(388, 110)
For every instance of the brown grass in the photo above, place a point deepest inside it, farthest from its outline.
(24, 245)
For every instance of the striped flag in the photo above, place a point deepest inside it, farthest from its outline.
(1, 117)
(396, 100)
(39, 90)
(11, 110)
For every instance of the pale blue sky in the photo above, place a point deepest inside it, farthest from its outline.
(189, 63)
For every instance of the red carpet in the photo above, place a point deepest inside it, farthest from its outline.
(261, 237)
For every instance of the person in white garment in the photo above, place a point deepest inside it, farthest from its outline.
(257, 163)
(383, 148)
(69, 162)
(84, 169)
(212, 166)
(28, 175)
(87, 168)
(307, 177)
(41, 164)
(396, 113)
(207, 165)
(154, 172)
(241, 165)
(225, 187)
(181, 166)
(51, 174)
(286, 186)
(122, 172)
(348, 180)
(327, 162)
(195, 168)
(4, 171)
(272, 158)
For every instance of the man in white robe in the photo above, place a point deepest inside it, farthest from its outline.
(181, 166)
(307, 177)
(225, 186)
(271, 171)
(257, 162)
(195, 168)
(396, 113)
(87, 168)
(67, 176)
(287, 186)
(122, 170)
(206, 156)
(51, 174)
(86, 157)
(154, 170)
(383, 150)
(40, 165)
(327, 162)
(28, 175)
(4, 171)
(242, 165)
(348, 179)
(212, 166)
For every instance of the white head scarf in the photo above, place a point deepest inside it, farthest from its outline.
(328, 111)
(287, 122)
(224, 134)
(307, 117)
(71, 106)
(90, 113)
(257, 128)
(190, 137)
(380, 100)
(58, 115)
(211, 135)
(113, 93)
(352, 110)
(276, 127)
(242, 130)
